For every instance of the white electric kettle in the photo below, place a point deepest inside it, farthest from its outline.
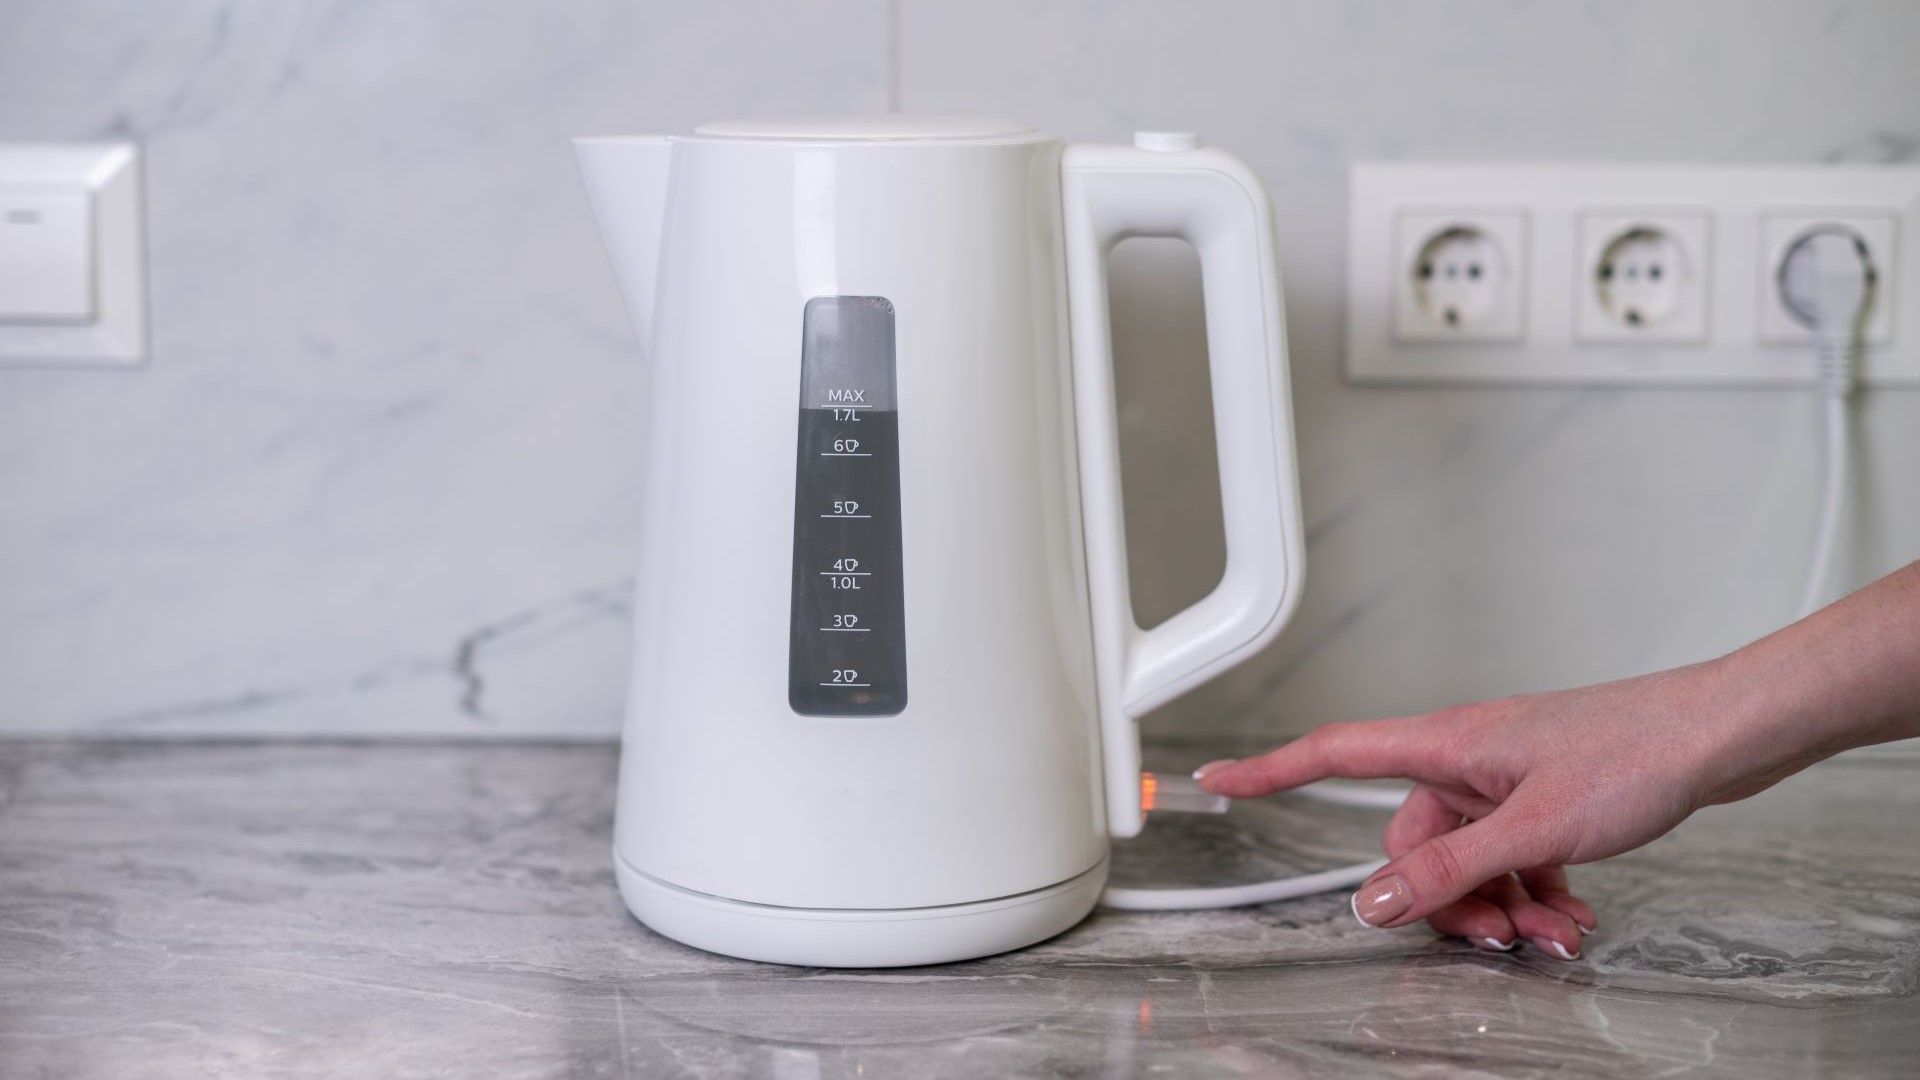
(886, 667)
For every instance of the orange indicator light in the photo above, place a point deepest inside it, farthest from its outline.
(1178, 794)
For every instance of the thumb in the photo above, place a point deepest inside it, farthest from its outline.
(1453, 864)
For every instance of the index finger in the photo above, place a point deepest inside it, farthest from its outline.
(1350, 750)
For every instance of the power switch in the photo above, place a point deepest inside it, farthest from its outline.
(46, 254)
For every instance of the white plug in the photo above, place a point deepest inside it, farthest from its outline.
(1827, 282)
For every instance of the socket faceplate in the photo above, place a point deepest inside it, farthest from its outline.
(1642, 276)
(1781, 230)
(1463, 275)
(1733, 215)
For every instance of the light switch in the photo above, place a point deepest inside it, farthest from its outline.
(73, 264)
(46, 254)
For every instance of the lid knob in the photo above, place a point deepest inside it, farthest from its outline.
(1167, 140)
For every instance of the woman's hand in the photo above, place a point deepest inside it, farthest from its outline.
(1510, 791)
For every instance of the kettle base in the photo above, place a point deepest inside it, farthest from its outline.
(852, 938)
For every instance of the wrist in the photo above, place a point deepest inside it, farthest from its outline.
(1776, 717)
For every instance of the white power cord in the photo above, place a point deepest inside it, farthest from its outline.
(1226, 896)
(1827, 282)
(1264, 892)
(1826, 534)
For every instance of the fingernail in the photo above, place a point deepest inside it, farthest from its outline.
(1382, 900)
(1495, 944)
(1585, 931)
(1554, 947)
(1211, 766)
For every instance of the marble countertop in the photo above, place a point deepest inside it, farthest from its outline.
(425, 910)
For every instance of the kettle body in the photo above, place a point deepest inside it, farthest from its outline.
(885, 672)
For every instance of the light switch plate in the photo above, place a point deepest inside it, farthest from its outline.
(1717, 323)
(46, 254)
(72, 255)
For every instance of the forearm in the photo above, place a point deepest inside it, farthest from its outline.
(1846, 676)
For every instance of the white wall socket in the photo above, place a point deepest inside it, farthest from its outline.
(1616, 274)
(1462, 277)
(1641, 276)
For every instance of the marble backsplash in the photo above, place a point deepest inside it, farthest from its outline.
(378, 477)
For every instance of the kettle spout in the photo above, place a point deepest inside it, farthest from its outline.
(626, 178)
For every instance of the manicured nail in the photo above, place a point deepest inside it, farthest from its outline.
(1211, 766)
(1585, 931)
(1554, 947)
(1495, 944)
(1382, 900)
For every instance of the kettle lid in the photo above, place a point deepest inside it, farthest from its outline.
(880, 127)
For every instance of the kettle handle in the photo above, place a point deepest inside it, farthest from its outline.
(1214, 202)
